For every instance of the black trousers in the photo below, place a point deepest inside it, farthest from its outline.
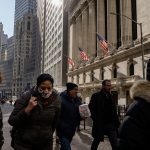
(111, 132)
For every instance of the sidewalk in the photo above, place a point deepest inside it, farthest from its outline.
(88, 132)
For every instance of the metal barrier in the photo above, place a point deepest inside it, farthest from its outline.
(121, 110)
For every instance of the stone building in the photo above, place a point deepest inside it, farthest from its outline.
(6, 69)
(127, 58)
(53, 32)
(26, 66)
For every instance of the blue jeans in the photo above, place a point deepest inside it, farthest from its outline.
(65, 143)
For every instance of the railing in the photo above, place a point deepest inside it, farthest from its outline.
(121, 110)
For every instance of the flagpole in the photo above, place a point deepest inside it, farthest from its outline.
(141, 38)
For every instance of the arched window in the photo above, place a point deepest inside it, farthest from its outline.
(102, 73)
(84, 77)
(130, 66)
(131, 69)
(115, 72)
(148, 70)
(92, 76)
(78, 79)
(28, 25)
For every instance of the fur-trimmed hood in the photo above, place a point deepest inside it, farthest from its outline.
(141, 89)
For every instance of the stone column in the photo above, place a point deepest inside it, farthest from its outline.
(78, 36)
(84, 28)
(92, 29)
(92, 76)
(72, 52)
(100, 23)
(112, 24)
(126, 24)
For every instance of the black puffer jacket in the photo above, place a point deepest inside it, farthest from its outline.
(37, 127)
(134, 132)
(70, 117)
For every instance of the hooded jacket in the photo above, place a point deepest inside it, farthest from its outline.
(134, 132)
(37, 127)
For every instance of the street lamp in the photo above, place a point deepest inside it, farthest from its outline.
(141, 35)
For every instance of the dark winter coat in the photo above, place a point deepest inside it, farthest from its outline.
(97, 109)
(134, 132)
(37, 127)
(69, 117)
(1, 132)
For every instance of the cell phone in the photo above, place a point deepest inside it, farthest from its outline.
(34, 92)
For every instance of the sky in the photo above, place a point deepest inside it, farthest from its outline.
(7, 9)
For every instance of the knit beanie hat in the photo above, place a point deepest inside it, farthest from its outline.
(70, 86)
(44, 77)
(148, 70)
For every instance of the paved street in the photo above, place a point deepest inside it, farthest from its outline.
(6, 109)
(81, 141)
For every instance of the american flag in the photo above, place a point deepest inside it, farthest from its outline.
(83, 55)
(103, 44)
(71, 62)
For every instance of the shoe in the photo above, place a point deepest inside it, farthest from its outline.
(78, 130)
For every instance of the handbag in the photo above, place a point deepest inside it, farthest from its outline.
(84, 111)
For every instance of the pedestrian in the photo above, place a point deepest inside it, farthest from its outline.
(80, 98)
(134, 132)
(35, 116)
(69, 117)
(1, 124)
(104, 116)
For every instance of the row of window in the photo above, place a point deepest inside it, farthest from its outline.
(52, 59)
(114, 72)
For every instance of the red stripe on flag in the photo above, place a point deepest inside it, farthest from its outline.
(71, 62)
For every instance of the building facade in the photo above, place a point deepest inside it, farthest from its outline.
(54, 31)
(3, 38)
(26, 47)
(6, 69)
(24, 6)
(127, 59)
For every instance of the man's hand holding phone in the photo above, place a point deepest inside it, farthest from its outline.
(32, 103)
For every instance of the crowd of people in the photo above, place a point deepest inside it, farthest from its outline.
(41, 111)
